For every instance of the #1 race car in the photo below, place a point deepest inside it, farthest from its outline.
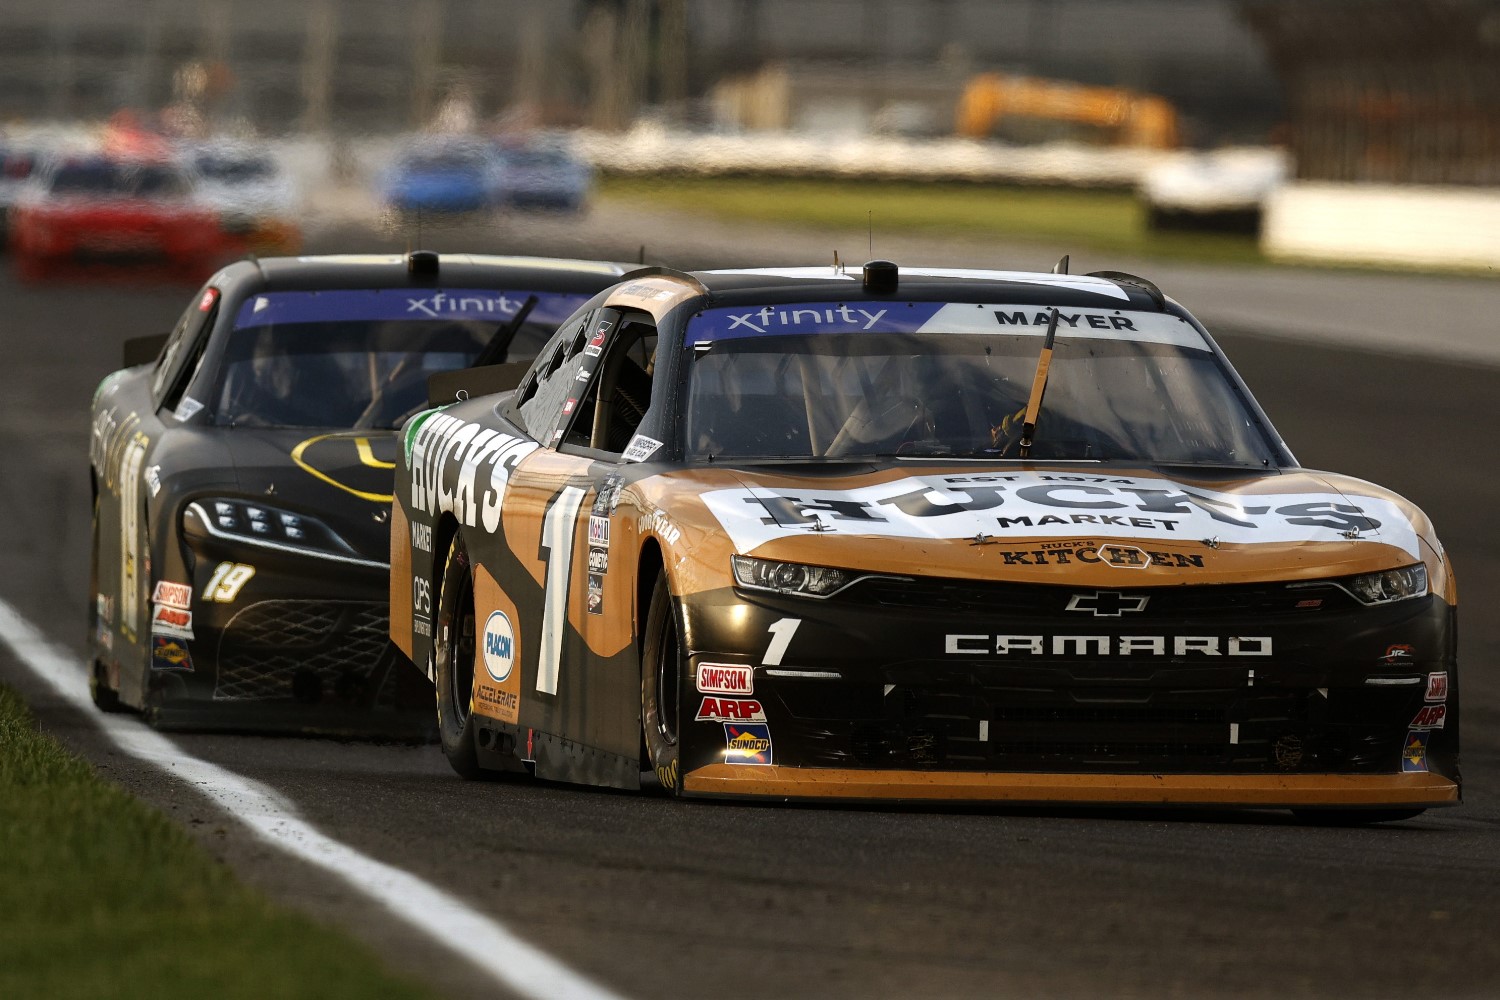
(242, 481)
(916, 534)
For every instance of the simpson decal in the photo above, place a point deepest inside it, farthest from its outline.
(1030, 504)
(1437, 686)
(463, 469)
(173, 595)
(641, 448)
(725, 678)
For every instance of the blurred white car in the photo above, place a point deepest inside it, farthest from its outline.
(1220, 190)
(257, 200)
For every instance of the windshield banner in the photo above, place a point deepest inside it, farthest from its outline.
(377, 304)
(941, 317)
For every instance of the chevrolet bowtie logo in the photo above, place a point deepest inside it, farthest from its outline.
(1107, 603)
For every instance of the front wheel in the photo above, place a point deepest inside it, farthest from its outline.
(453, 661)
(662, 661)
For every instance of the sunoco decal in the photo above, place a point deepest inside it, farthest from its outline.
(1031, 505)
(463, 468)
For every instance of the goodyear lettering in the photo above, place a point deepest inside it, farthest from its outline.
(464, 469)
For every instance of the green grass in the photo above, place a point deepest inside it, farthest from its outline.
(1110, 221)
(101, 896)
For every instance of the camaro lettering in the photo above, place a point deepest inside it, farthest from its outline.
(1099, 645)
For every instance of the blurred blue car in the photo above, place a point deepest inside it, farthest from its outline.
(546, 175)
(449, 178)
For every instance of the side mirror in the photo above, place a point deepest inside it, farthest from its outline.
(444, 387)
(141, 350)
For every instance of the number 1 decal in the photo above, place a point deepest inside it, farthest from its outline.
(781, 637)
(558, 526)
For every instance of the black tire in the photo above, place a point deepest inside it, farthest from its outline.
(106, 698)
(662, 663)
(1354, 817)
(453, 656)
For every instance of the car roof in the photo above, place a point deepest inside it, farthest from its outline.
(453, 271)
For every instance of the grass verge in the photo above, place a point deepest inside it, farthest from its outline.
(1112, 221)
(101, 896)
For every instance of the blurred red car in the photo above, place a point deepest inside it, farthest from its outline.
(110, 211)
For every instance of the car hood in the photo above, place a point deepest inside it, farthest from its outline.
(1045, 524)
(341, 477)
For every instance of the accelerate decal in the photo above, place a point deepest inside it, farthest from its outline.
(377, 304)
(169, 654)
(499, 647)
(805, 318)
(730, 710)
(1103, 645)
(462, 468)
(1031, 504)
(725, 678)
(747, 743)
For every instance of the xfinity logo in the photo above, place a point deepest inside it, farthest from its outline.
(1107, 603)
(767, 317)
(438, 303)
(1104, 645)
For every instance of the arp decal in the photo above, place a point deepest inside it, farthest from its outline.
(228, 580)
(725, 678)
(1430, 717)
(348, 460)
(1057, 505)
(730, 710)
(1414, 754)
(1437, 686)
(173, 595)
(172, 622)
(499, 646)
(747, 743)
(462, 468)
(170, 654)
(1103, 645)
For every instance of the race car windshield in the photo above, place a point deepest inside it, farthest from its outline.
(235, 170)
(935, 380)
(119, 180)
(356, 359)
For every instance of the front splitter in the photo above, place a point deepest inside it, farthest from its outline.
(1414, 791)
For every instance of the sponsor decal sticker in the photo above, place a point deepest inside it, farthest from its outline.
(596, 594)
(641, 448)
(210, 296)
(463, 469)
(1414, 756)
(483, 304)
(1104, 645)
(657, 523)
(725, 678)
(104, 608)
(173, 595)
(1430, 717)
(595, 345)
(598, 560)
(169, 654)
(1397, 655)
(747, 743)
(598, 530)
(187, 409)
(499, 646)
(421, 537)
(421, 606)
(569, 405)
(730, 710)
(1437, 686)
(105, 637)
(172, 622)
(153, 479)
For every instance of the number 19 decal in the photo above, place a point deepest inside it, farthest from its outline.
(558, 528)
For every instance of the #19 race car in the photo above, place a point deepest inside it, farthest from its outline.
(916, 534)
(242, 481)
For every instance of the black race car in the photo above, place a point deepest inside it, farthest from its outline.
(242, 481)
(917, 534)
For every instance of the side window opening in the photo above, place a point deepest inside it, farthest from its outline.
(184, 352)
(535, 402)
(619, 395)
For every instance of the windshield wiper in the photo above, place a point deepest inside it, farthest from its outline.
(1038, 386)
(498, 348)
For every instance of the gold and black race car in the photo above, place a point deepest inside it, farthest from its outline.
(242, 479)
(916, 534)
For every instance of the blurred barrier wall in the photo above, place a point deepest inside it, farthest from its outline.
(1384, 224)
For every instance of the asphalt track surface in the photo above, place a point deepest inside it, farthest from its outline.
(651, 897)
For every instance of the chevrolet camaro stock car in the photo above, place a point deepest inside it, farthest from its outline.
(242, 481)
(915, 534)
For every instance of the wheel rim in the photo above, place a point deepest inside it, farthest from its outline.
(668, 673)
(461, 662)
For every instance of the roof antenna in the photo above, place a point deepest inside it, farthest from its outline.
(641, 259)
(1061, 267)
(870, 218)
(838, 266)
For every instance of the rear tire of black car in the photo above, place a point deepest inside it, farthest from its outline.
(1354, 817)
(662, 662)
(453, 660)
(106, 698)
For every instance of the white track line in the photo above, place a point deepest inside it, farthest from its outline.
(446, 919)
